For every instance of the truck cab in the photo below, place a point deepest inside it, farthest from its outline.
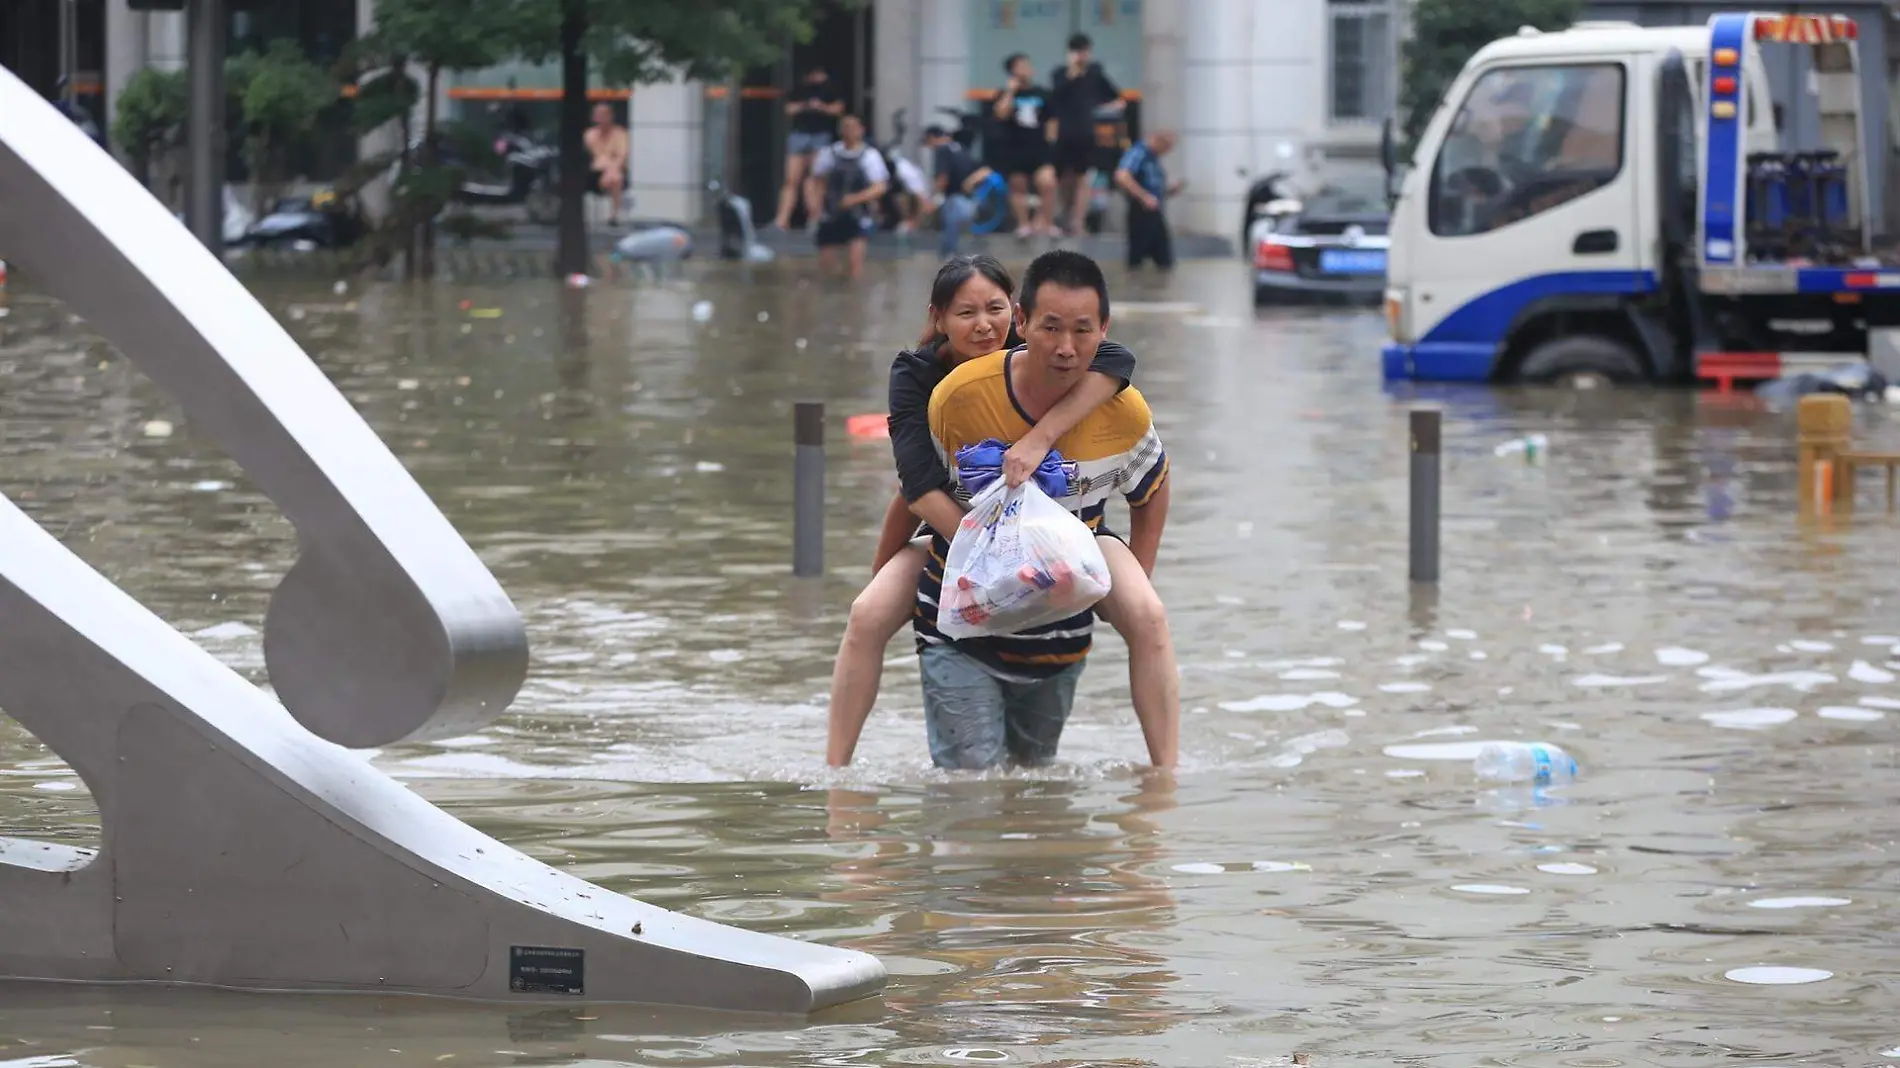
(1613, 203)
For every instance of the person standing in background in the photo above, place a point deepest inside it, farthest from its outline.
(814, 107)
(607, 149)
(1141, 176)
(847, 178)
(1079, 92)
(1022, 146)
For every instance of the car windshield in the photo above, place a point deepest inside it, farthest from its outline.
(1350, 197)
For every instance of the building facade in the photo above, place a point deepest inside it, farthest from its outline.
(1251, 86)
(1248, 84)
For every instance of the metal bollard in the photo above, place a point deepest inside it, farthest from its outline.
(1426, 437)
(808, 488)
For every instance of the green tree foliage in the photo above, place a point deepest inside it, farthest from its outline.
(279, 97)
(436, 36)
(1447, 33)
(150, 118)
(634, 42)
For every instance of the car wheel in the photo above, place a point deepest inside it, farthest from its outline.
(1264, 296)
(1584, 362)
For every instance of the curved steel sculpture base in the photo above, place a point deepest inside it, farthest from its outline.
(240, 848)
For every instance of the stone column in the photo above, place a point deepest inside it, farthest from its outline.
(894, 62)
(165, 39)
(942, 56)
(1235, 78)
(665, 125)
(125, 54)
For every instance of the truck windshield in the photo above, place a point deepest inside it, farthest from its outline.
(1526, 140)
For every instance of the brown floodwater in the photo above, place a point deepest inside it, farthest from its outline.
(1323, 875)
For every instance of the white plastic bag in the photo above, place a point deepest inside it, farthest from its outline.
(1019, 560)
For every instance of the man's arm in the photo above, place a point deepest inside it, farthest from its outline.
(867, 195)
(1126, 180)
(1145, 522)
(1005, 101)
(877, 173)
(940, 510)
(1027, 454)
(1111, 93)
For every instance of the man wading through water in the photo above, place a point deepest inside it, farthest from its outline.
(848, 178)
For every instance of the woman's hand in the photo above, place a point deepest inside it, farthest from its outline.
(1022, 459)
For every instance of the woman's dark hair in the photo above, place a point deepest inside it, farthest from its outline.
(950, 278)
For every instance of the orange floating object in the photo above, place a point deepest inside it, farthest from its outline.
(868, 425)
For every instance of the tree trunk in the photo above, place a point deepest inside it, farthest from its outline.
(399, 204)
(570, 251)
(430, 159)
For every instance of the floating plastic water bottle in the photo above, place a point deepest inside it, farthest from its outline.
(1533, 762)
(1531, 446)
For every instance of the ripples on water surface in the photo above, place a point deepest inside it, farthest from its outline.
(1325, 876)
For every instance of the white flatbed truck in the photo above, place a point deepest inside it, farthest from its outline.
(1615, 204)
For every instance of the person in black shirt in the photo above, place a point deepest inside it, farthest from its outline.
(957, 177)
(1079, 93)
(1021, 136)
(971, 316)
(814, 107)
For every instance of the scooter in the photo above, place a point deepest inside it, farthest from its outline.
(1269, 197)
(530, 169)
(306, 223)
(738, 238)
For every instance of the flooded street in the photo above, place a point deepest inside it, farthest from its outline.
(1324, 875)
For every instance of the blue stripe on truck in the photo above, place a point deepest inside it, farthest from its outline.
(1464, 345)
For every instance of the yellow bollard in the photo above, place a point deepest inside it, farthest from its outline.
(1825, 429)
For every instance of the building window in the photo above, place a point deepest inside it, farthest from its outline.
(1361, 60)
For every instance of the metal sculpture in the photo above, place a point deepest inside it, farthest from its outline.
(243, 844)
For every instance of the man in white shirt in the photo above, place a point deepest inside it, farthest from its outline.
(847, 178)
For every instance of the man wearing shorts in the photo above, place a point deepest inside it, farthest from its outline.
(991, 700)
(1078, 93)
(849, 177)
(1020, 151)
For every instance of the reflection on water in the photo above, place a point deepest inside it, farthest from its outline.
(1324, 876)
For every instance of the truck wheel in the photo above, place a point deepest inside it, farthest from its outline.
(1586, 361)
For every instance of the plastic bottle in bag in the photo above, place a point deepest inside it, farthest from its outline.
(1018, 561)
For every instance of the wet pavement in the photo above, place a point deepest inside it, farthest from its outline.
(1323, 876)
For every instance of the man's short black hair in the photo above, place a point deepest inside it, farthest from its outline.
(1081, 43)
(934, 131)
(1065, 268)
(1009, 61)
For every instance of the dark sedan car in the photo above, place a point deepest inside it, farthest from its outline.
(1333, 244)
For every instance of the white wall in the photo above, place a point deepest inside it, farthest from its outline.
(921, 61)
(666, 126)
(1235, 78)
(136, 40)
